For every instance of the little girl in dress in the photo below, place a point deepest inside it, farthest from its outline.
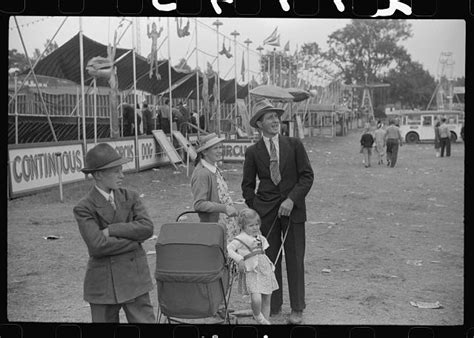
(256, 276)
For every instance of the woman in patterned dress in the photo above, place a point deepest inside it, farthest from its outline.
(210, 191)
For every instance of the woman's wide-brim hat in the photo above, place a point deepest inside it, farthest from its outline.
(208, 141)
(260, 108)
(102, 157)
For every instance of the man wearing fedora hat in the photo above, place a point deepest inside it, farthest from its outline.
(284, 170)
(113, 222)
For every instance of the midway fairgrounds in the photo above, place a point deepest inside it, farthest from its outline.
(383, 245)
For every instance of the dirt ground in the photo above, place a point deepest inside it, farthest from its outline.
(376, 239)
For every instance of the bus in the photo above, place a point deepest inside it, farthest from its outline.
(418, 125)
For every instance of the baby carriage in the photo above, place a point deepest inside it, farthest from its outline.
(192, 273)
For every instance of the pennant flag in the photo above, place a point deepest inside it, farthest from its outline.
(272, 38)
(275, 42)
(287, 46)
(242, 69)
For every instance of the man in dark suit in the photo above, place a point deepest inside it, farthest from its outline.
(147, 119)
(284, 170)
(113, 222)
(129, 120)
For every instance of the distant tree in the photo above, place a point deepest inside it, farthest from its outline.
(411, 85)
(17, 60)
(367, 49)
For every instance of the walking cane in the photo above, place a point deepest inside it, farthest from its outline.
(283, 241)
(284, 236)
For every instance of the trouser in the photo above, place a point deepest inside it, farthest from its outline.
(294, 257)
(445, 143)
(139, 310)
(392, 151)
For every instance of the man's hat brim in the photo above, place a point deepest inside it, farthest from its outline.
(260, 113)
(112, 164)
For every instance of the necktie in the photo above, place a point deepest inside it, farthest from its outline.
(274, 169)
(112, 203)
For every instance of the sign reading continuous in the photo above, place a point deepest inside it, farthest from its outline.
(38, 167)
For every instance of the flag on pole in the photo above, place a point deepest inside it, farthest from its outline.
(242, 69)
(275, 42)
(287, 46)
(272, 38)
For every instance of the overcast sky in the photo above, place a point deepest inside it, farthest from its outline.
(430, 38)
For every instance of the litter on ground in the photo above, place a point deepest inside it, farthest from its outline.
(426, 305)
(415, 262)
(52, 237)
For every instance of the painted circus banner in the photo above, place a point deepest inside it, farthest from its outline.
(35, 167)
(234, 151)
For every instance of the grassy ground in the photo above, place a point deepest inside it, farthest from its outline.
(386, 236)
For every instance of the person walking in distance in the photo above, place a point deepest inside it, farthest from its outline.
(285, 177)
(366, 143)
(380, 142)
(393, 139)
(437, 141)
(444, 138)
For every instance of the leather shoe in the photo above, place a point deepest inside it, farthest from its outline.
(275, 312)
(296, 317)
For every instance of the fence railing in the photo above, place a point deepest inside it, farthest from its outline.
(30, 104)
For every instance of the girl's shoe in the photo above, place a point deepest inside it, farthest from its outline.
(260, 319)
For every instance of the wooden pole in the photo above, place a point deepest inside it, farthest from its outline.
(217, 99)
(197, 78)
(95, 110)
(81, 56)
(169, 82)
(235, 34)
(135, 94)
(16, 109)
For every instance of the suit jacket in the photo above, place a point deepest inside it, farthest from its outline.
(117, 270)
(296, 178)
(205, 195)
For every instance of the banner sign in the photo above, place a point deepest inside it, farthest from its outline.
(234, 151)
(151, 154)
(126, 149)
(36, 167)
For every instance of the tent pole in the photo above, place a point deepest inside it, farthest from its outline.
(95, 110)
(235, 34)
(135, 93)
(169, 82)
(197, 77)
(81, 57)
(217, 99)
(248, 42)
(78, 116)
(16, 109)
(274, 82)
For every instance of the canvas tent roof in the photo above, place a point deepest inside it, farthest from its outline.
(64, 63)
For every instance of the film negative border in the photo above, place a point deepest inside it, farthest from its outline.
(436, 9)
